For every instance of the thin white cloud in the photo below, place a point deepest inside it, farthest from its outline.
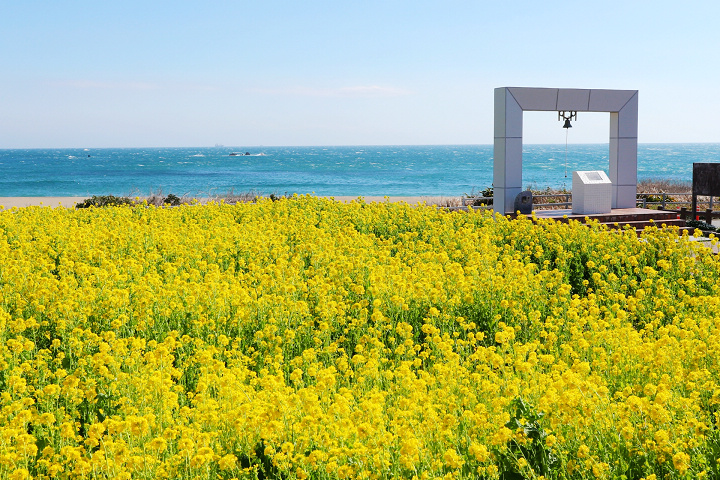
(90, 84)
(359, 91)
(135, 86)
(372, 91)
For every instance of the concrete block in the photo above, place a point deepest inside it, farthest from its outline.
(592, 192)
(573, 99)
(628, 119)
(626, 161)
(613, 157)
(537, 99)
(508, 115)
(507, 162)
(609, 100)
(624, 196)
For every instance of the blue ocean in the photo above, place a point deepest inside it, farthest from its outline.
(438, 170)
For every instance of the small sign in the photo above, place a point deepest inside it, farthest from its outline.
(593, 176)
(706, 179)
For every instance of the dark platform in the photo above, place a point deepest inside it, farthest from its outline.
(637, 218)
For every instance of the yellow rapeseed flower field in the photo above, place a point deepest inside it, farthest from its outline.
(306, 338)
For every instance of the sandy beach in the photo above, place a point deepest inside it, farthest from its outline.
(10, 202)
(69, 202)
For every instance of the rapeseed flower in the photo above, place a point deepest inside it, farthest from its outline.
(305, 338)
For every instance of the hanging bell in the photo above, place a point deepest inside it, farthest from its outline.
(567, 116)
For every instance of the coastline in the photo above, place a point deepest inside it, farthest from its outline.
(7, 203)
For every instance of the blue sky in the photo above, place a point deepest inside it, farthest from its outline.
(186, 73)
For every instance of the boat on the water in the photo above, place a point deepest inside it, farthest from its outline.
(246, 154)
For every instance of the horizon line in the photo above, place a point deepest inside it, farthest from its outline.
(218, 146)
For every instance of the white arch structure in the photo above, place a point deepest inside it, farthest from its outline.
(511, 102)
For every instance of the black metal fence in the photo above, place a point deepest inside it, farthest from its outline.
(675, 202)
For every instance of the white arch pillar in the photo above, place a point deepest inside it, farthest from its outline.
(511, 102)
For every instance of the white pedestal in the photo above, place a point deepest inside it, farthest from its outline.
(591, 193)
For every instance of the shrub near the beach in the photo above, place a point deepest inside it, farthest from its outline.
(104, 201)
(306, 338)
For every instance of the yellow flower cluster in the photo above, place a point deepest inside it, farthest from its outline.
(305, 338)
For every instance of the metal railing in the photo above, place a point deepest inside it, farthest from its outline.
(671, 199)
(566, 200)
